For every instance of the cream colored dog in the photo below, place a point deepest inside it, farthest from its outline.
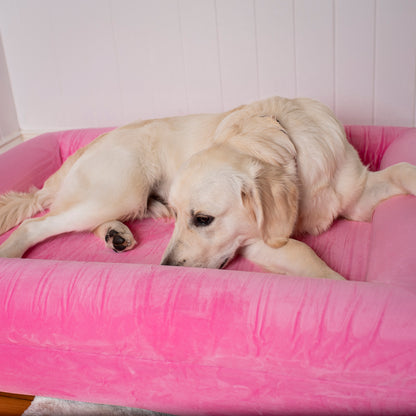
(245, 181)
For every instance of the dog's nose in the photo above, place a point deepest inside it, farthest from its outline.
(167, 261)
(170, 260)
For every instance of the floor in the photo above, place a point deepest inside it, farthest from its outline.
(13, 404)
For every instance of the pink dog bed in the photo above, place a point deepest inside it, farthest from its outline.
(81, 322)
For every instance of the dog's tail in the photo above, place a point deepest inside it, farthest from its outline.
(17, 206)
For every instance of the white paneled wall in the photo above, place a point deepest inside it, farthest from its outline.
(85, 63)
(354, 64)
(9, 126)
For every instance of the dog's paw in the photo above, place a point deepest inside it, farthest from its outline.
(119, 239)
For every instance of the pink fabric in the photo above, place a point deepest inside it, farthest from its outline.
(371, 143)
(29, 164)
(81, 322)
(70, 141)
(393, 239)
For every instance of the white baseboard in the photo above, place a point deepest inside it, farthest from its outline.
(10, 142)
(30, 134)
(24, 135)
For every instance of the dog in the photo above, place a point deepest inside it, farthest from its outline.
(244, 181)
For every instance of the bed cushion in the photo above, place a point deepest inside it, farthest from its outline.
(81, 322)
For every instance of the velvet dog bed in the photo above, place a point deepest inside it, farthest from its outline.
(81, 322)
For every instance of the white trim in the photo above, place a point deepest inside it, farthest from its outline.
(24, 135)
(10, 142)
(19, 137)
(4, 140)
(30, 134)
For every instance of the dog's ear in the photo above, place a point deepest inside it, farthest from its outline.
(272, 200)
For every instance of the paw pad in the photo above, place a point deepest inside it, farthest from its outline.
(114, 239)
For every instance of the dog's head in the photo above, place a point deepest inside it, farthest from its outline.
(223, 199)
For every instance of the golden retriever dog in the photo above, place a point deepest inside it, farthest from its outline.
(243, 181)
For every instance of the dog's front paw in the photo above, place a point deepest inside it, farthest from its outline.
(119, 239)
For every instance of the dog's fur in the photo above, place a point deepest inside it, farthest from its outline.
(245, 180)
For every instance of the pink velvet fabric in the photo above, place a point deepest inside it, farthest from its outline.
(81, 322)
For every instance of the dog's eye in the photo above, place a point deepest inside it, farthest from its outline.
(203, 220)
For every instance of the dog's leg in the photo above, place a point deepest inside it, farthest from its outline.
(116, 235)
(395, 180)
(294, 258)
(77, 218)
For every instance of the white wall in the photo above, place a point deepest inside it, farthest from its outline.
(82, 63)
(9, 126)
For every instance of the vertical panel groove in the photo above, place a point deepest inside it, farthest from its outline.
(254, 2)
(373, 110)
(219, 54)
(295, 47)
(395, 49)
(334, 69)
(185, 69)
(117, 58)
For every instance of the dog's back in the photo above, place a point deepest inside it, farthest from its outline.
(120, 169)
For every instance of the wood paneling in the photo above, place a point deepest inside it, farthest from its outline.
(238, 51)
(9, 126)
(198, 22)
(95, 62)
(354, 60)
(276, 55)
(395, 55)
(314, 43)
